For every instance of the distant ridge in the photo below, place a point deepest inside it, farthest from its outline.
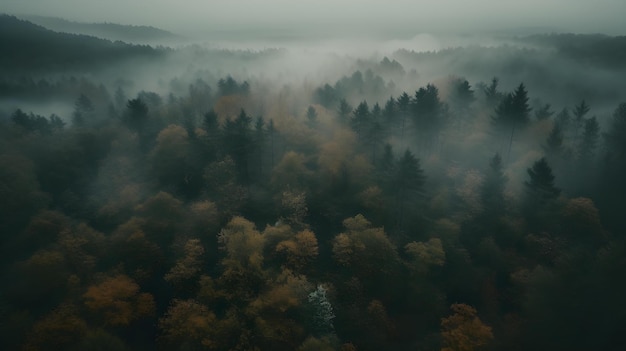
(110, 31)
(27, 46)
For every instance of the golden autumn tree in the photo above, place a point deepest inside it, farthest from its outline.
(425, 255)
(118, 301)
(82, 247)
(243, 265)
(366, 251)
(275, 311)
(187, 267)
(171, 155)
(188, 323)
(57, 330)
(463, 330)
(300, 251)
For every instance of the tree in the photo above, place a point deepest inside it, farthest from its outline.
(492, 95)
(425, 255)
(492, 189)
(187, 324)
(360, 119)
(311, 117)
(541, 193)
(83, 111)
(464, 331)
(512, 112)
(461, 99)
(429, 111)
(118, 301)
(580, 111)
(554, 144)
(58, 330)
(171, 157)
(615, 138)
(589, 140)
(407, 185)
(366, 251)
(300, 251)
(325, 96)
(136, 115)
(237, 140)
(344, 111)
(322, 312)
(564, 119)
(543, 112)
(187, 267)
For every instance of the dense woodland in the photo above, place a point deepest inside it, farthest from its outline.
(230, 213)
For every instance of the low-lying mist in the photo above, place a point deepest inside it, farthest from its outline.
(241, 190)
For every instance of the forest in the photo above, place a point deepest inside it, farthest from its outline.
(193, 198)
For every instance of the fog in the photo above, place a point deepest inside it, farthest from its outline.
(312, 175)
(329, 18)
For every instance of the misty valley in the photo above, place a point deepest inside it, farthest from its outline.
(300, 192)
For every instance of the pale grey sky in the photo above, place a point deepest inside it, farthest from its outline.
(195, 16)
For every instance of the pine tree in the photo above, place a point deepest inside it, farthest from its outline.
(580, 111)
(554, 143)
(513, 112)
(541, 186)
(589, 141)
(492, 189)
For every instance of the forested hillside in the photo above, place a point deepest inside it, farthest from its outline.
(235, 208)
(28, 47)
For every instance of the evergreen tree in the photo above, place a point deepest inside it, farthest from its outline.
(311, 117)
(360, 119)
(564, 119)
(589, 141)
(492, 95)
(554, 143)
(580, 111)
(492, 189)
(513, 112)
(344, 111)
(540, 187)
(136, 115)
(83, 111)
(615, 138)
(408, 185)
(544, 112)
(461, 99)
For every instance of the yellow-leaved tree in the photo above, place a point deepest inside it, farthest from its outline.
(463, 330)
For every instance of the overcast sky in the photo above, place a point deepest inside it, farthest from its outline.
(349, 16)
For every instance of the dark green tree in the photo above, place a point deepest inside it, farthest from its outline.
(461, 99)
(492, 188)
(492, 95)
(360, 121)
(544, 112)
(554, 144)
(540, 187)
(615, 138)
(136, 115)
(83, 111)
(512, 112)
(580, 111)
(589, 140)
(311, 117)
(407, 187)
(344, 111)
(238, 142)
